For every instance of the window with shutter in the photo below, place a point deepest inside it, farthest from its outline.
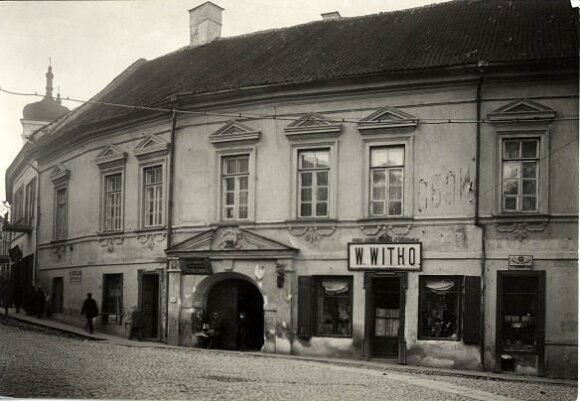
(472, 310)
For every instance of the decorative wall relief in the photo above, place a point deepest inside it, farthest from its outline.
(61, 249)
(519, 231)
(444, 190)
(230, 239)
(388, 229)
(149, 240)
(110, 243)
(312, 234)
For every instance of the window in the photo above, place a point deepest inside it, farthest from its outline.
(439, 307)
(313, 183)
(235, 187)
(386, 186)
(334, 307)
(30, 201)
(18, 206)
(520, 175)
(153, 196)
(113, 202)
(112, 298)
(60, 215)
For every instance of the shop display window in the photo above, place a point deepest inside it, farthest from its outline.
(112, 309)
(520, 311)
(334, 307)
(439, 307)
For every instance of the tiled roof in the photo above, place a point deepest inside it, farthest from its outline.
(455, 33)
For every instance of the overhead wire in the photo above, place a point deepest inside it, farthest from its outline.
(258, 116)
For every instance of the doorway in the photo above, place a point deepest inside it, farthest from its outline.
(385, 305)
(149, 304)
(57, 294)
(520, 322)
(229, 298)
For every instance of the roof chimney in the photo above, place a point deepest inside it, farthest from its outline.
(205, 24)
(331, 15)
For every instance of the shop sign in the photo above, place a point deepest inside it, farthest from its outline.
(384, 256)
(521, 262)
(75, 276)
(196, 266)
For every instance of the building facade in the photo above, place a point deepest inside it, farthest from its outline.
(361, 200)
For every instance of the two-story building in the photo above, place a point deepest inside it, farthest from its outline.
(401, 185)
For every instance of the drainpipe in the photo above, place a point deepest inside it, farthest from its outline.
(36, 225)
(481, 66)
(170, 207)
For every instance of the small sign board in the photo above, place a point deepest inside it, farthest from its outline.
(75, 276)
(196, 266)
(384, 256)
(521, 262)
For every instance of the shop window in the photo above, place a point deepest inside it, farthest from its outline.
(520, 159)
(113, 202)
(520, 301)
(386, 180)
(235, 187)
(325, 306)
(112, 309)
(152, 212)
(313, 183)
(439, 307)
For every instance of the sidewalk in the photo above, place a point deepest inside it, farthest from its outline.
(373, 364)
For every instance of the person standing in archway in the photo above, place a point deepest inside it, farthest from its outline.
(215, 327)
(243, 331)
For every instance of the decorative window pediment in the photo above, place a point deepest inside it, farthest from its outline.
(522, 110)
(234, 132)
(387, 117)
(111, 155)
(312, 124)
(59, 174)
(151, 145)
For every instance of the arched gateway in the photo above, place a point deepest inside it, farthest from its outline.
(230, 299)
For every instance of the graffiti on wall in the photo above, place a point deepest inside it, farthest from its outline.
(441, 191)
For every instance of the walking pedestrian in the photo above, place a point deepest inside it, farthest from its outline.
(39, 302)
(6, 296)
(90, 311)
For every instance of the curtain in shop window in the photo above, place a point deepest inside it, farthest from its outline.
(440, 286)
(334, 287)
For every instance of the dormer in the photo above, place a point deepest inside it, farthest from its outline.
(234, 133)
(386, 118)
(151, 146)
(313, 125)
(522, 110)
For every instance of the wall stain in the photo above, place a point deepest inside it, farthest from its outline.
(445, 190)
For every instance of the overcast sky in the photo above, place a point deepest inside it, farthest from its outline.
(91, 42)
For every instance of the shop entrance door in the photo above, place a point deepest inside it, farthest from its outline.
(229, 298)
(385, 311)
(150, 304)
(520, 322)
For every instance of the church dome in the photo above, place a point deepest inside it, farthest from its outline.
(49, 108)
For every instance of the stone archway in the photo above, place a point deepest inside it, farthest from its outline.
(229, 296)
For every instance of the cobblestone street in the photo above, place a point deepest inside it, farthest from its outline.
(37, 365)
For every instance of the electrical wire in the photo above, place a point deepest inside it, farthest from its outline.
(257, 116)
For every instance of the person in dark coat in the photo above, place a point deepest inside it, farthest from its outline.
(6, 296)
(243, 332)
(215, 330)
(90, 311)
(39, 302)
(18, 297)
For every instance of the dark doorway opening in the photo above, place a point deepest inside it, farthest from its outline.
(385, 311)
(149, 304)
(230, 298)
(520, 322)
(57, 294)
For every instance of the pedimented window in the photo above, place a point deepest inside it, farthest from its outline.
(313, 125)
(234, 133)
(111, 155)
(386, 118)
(522, 110)
(151, 146)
